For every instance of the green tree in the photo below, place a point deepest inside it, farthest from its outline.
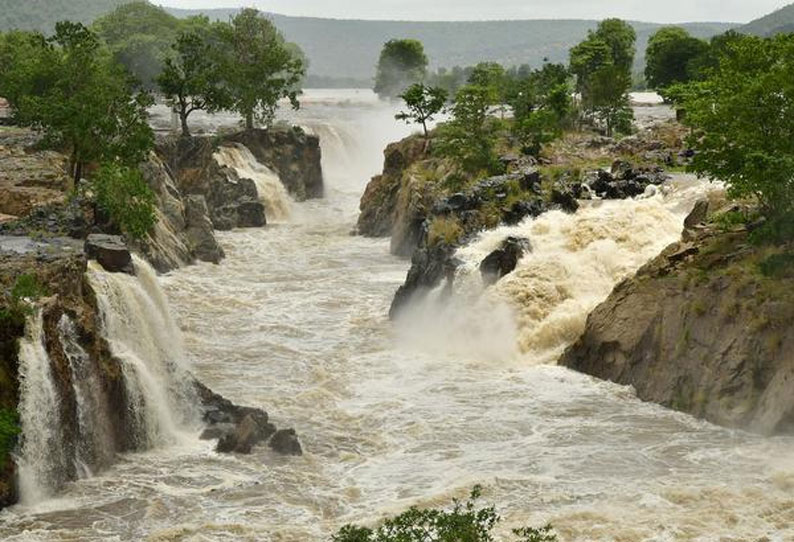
(673, 57)
(259, 67)
(423, 104)
(464, 522)
(124, 195)
(139, 35)
(401, 64)
(191, 79)
(490, 76)
(743, 126)
(81, 100)
(602, 65)
(469, 137)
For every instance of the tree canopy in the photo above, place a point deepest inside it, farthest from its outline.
(673, 56)
(423, 104)
(402, 63)
(742, 117)
(259, 67)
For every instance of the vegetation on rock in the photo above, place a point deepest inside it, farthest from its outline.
(464, 522)
(423, 103)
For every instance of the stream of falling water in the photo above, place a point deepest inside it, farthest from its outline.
(294, 320)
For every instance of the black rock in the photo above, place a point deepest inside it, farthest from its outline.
(523, 209)
(565, 199)
(111, 253)
(251, 214)
(246, 434)
(285, 442)
(504, 260)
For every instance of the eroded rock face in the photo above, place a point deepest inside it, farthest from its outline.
(700, 330)
(199, 232)
(292, 153)
(503, 261)
(429, 267)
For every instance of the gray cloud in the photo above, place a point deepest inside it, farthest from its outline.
(664, 11)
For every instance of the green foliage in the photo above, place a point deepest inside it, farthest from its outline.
(123, 194)
(542, 106)
(423, 104)
(402, 63)
(192, 78)
(673, 56)
(492, 77)
(258, 67)
(778, 266)
(602, 64)
(69, 87)
(139, 35)
(15, 302)
(743, 126)
(469, 137)
(9, 432)
(465, 522)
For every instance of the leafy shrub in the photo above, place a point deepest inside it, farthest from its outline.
(123, 194)
(778, 266)
(26, 287)
(465, 522)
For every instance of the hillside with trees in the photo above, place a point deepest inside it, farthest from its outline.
(42, 15)
(777, 22)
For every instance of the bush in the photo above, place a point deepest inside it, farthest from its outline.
(465, 522)
(446, 230)
(9, 431)
(124, 195)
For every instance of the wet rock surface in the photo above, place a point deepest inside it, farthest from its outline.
(504, 260)
(240, 429)
(110, 252)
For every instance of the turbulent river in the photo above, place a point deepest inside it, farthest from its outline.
(294, 320)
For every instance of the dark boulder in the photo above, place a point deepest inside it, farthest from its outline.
(504, 260)
(564, 198)
(285, 442)
(251, 214)
(429, 266)
(249, 432)
(523, 209)
(199, 231)
(110, 252)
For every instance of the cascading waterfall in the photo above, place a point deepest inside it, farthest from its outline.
(576, 261)
(67, 433)
(268, 185)
(94, 447)
(143, 336)
(43, 465)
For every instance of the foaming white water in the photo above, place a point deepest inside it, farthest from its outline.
(271, 191)
(42, 461)
(142, 335)
(94, 447)
(304, 334)
(576, 261)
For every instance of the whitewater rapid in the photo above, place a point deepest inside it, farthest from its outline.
(294, 320)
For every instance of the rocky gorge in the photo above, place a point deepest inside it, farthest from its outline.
(85, 353)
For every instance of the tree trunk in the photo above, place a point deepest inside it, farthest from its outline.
(185, 127)
(249, 120)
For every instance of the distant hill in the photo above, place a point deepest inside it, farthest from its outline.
(776, 22)
(350, 48)
(43, 14)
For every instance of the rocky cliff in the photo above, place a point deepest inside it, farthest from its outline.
(71, 391)
(705, 328)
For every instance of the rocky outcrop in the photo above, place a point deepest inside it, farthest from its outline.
(503, 261)
(239, 429)
(429, 267)
(232, 202)
(110, 252)
(703, 330)
(292, 153)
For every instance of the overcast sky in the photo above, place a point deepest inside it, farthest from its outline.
(663, 11)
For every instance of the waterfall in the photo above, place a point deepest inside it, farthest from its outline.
(576, 261)
(66, 408)
(43, 465)
(269, 187)
(143, 336)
